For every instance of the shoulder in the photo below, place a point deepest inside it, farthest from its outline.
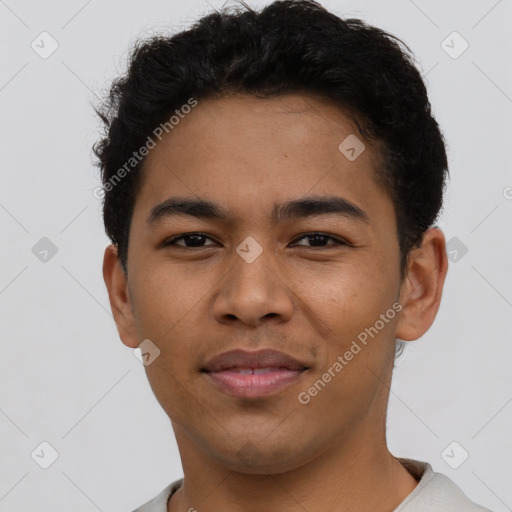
(159, 502)
(436, 492)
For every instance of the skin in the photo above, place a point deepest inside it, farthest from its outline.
(311, 302)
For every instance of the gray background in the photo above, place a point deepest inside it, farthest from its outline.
(65, 376)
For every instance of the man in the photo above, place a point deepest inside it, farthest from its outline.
(271, 184)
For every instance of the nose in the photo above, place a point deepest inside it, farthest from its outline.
(253, 293)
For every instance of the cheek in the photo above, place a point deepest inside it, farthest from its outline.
(164, 299)
(170, 310)
(351, 297)
(351, 305)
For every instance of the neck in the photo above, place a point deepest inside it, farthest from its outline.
(359, 473)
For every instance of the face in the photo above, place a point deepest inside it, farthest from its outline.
(296, 251)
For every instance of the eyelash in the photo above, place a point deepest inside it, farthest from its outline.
(338, 242)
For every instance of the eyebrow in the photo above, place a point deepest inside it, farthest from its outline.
(298, 208)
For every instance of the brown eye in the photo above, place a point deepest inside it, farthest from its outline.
(190, 240)
(319, 240)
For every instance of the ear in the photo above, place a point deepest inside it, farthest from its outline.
(117, 285)
(422, 286)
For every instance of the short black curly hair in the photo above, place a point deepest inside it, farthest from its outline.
(289, 46)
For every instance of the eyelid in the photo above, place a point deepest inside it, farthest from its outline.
(174, 239)
(337, 240)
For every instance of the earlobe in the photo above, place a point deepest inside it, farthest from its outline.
(422, 286)
(119, 298)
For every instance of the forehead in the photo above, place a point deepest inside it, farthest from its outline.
(249, 152)
(246, 125)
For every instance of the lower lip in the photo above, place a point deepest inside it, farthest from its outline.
(254, 385)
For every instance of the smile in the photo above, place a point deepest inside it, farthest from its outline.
(253, 374)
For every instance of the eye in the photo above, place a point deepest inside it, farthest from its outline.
(320, 240)
(197, 240)
(190, 240)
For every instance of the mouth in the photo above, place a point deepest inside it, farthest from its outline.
(253, 374)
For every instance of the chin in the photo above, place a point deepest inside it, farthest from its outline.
(260, 458)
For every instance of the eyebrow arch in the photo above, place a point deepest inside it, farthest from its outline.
(297, 208)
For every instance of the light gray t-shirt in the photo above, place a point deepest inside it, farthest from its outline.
(435, 492)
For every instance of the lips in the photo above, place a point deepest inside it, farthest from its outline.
(253, 374)
(255, 360)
